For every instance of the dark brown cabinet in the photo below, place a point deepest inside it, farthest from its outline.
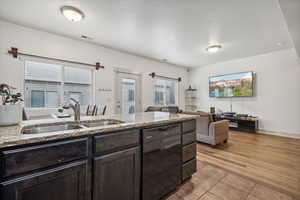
(104, 166)
(116, 141)
(25, 159)
(189, 149)
(161, 160)
(189, 152)
(117, 175)
(189, 168)
(67, 182)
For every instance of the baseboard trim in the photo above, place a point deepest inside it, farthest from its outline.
(289, 135)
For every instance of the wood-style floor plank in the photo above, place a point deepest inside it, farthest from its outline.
(268, 159)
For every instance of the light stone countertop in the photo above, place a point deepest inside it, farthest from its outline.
(12, 136)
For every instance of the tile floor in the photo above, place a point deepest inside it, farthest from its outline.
(214, 183)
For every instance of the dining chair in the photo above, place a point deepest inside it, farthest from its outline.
(101, 110)
(91, 109)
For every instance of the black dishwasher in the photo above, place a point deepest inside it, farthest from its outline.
(161, 161)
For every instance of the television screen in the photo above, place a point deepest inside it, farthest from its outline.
(231, 85)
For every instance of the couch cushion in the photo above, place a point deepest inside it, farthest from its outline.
(171, 109)
(205, 114)
(202, 114)
(153, 108)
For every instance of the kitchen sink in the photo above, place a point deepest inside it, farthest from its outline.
(68, 126)
(103, 122)
(50, 128)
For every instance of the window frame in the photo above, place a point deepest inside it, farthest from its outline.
(164, 92)
(61, 84)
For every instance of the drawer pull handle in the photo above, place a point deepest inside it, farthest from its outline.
(167, 128)
(149, 137)
(163, 129)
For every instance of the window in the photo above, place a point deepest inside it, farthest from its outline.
(52, 85)
(128, 95)
(37, 98)
(42, 94)
(79, 92)
(165, 92)
(131, 95)
(77, 85)
(40, 98)
(52, 99)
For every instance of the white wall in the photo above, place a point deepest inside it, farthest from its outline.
(277, 90)
(51, 45)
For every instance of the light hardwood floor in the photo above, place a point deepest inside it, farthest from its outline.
(248, 167)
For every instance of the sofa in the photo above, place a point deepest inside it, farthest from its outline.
(170, 109)
(208, 131)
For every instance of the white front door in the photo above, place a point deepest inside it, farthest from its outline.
(128, 99)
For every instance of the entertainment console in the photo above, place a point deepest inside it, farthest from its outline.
(239, 123)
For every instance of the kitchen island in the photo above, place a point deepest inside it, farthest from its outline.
(101, 162)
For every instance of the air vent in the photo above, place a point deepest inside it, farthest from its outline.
(84, 37)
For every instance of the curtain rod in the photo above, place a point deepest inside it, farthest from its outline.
(153, 75)
(126, 72)
(15, 53)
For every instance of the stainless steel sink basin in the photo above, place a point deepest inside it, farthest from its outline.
(103, 122)
(68, 126)
(50, 128)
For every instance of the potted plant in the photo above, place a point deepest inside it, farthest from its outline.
(10, 109)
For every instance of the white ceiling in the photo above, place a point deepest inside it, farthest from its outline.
(177, 30)
(291, 11)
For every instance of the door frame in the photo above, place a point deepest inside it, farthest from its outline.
(130, 74)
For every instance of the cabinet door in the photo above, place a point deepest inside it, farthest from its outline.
(67, 182)
(117, 175)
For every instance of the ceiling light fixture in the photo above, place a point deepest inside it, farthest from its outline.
(71, 13)
(213, 48)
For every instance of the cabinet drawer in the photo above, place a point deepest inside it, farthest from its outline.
(188, 138)
(151, 134)
(188, 169)
(188, 126)
(189, 152)
(26, 159)
(116, 141)
(65, 182)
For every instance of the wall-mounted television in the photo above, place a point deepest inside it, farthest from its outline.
(231, 85)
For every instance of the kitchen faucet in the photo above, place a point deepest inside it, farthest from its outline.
(76, 109)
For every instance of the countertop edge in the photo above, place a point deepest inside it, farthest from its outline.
(40, 138)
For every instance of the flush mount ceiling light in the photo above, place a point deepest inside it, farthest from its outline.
(71, 13)
(213, 48)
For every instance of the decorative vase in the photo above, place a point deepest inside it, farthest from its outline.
(10, 114)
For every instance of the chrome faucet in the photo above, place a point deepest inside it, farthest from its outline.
(75, 107)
